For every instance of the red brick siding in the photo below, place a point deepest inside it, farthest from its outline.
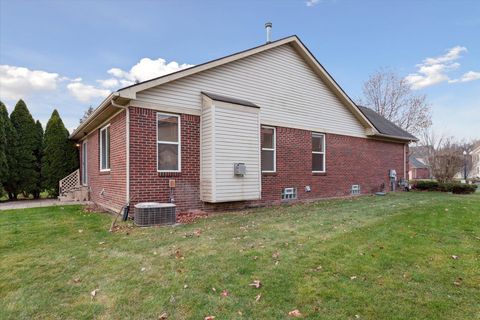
(146, 184)
(114, 182)
(349, 160)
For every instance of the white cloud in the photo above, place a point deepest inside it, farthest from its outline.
(109, 83)
(311, 3)
(451, 55)
(145, 69)
(468, 76)
(85, 92)
(435, 70)
(18, 82)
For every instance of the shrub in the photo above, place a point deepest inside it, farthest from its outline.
(426, 185)
(462, 188)
(454, 187)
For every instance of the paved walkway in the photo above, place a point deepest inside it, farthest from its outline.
(23, 204)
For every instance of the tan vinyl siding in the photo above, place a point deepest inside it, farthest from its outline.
(288, 91)
(206, 152)
(232, 137)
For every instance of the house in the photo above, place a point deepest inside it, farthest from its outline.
(418, 169)
(263, 126)
(475, 170)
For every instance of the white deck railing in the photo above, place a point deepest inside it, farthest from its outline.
(69, 183)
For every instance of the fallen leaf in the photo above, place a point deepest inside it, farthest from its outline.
(80, 231)
(257, 298)
(458, 281)
(197, 232)
(77, 280)
(209, 318)
(454, 257)
(214, 290)
(357, 316)
(225, 293)
(353, 277)
(240, 313)
(446, 209)
(143, 269)
(256, 284)
(94, 293)
(103, 242)
(163, 316)
(295, 313)
(255, 258)
(276, 255)
(185, 286)
(179, 255)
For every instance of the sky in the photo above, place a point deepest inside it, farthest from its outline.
(69, 55)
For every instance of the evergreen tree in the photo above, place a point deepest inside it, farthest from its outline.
(60, 154)
(3, 145)
(10, 183)
(25, 160)
(38, 156)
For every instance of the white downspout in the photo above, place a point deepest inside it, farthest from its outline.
(127, 148)
(405, 161)
(127, 129)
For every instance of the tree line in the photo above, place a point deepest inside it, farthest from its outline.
(31, 160)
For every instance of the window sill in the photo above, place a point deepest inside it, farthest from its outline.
(319, 173)
(169, 173)
(105, 172)
(269, 174)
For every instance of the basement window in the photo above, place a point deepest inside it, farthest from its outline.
(289, 193)
(105, 148)
(168, 142)
(268, 149)
(355, 189)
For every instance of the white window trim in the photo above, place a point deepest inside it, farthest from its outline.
(320, 152)
(179, 143)
(270, 149)
(85, 163)
(107, 150)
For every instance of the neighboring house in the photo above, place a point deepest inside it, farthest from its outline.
(272, 112)
(418, 169)
(475, 170)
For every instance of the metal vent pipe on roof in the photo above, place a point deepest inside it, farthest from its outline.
(268, 26)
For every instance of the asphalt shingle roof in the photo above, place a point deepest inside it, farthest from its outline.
(385, 126)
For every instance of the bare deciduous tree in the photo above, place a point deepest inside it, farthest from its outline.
(86, 114)
(444, 155)
(392, 97)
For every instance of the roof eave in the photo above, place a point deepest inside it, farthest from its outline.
(405, 139)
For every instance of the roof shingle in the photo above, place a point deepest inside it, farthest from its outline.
(385, 126)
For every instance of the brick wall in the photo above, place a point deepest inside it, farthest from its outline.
(146, 184)
(349, 160)
(114, 182)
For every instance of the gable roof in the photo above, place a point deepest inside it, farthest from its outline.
(385, 126)
(221, 98)
(414, 162)
(121, 97)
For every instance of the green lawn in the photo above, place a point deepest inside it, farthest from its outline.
(369, 258)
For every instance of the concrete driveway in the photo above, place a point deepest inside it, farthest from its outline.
(23, 204)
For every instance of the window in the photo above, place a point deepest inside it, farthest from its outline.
(289, 193)
(168, 142)
(268, 149)
(318, 152)
(84, 164)
(105, 148)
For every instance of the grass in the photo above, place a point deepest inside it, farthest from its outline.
(368, 257)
